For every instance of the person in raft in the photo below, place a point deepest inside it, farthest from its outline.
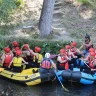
(37, 56)
(17, 62)
(91, 63)
(76, 61)
(47, 64)
(75, 50)
(6, 57)
(15, 46)
(62, 60)
(88, 44)
(28, 57)
(71, 56)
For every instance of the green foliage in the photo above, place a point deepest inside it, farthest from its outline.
(46, 46)
(84, 1)
(0, 2)
(8, 7)
(20, 3)
(89, 2)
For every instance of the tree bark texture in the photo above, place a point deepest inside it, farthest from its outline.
(46, 17)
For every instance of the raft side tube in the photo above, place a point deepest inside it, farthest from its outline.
(70, 75)
(86, 82)
(47, 77)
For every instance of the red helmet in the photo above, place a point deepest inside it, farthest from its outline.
(73, 44)
(92, 53)
(18, 52)
(37, 49)
(17, 48)
(67, 46)
(25, 46)
(15, 43)
(91, 50)
(62, 50)
(7, 49)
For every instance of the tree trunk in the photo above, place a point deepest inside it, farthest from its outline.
(46, 17)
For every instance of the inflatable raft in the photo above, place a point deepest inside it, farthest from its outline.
(28, 77)
(78, 76)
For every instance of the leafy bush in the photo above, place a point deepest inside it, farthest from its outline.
(46, 46)
(89, 2)
(0, 2)
(84, 1)
(20, 3)
(8, 7)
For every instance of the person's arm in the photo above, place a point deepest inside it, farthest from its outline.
(87, 58)
(12, 54)
(26, 52)
(93, 69)
(67, 58)
(54, 65)
(23, 52)
(88, 45)
(31, 51)
(24, 61)
(22, 47)
(35, 54)
(73, 55)
(10, 63)
(13, 49)
(3, 58)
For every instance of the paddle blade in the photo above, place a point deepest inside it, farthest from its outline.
(65, 89)
(61, 82)
(1, 69)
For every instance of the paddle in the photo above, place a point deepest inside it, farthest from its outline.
(1, 69)
(86, 64)
(61, 82)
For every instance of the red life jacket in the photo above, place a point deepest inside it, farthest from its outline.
(65, 65)
(8, 59)
(46, 63)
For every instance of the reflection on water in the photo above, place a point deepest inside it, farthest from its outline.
(48, 89)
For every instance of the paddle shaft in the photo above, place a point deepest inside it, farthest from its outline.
(61, 83)
(86, 64)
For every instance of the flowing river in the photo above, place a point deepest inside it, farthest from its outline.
(46, 89)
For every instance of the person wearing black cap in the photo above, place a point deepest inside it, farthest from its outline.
(87, 44)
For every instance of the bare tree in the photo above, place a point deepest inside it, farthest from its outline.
(46, 17)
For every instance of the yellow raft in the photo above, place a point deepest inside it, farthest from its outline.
(29, 76)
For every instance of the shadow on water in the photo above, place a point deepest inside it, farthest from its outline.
(48, 89)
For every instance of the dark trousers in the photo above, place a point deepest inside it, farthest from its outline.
(17, 69)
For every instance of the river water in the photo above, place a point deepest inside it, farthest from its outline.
(47, 89)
